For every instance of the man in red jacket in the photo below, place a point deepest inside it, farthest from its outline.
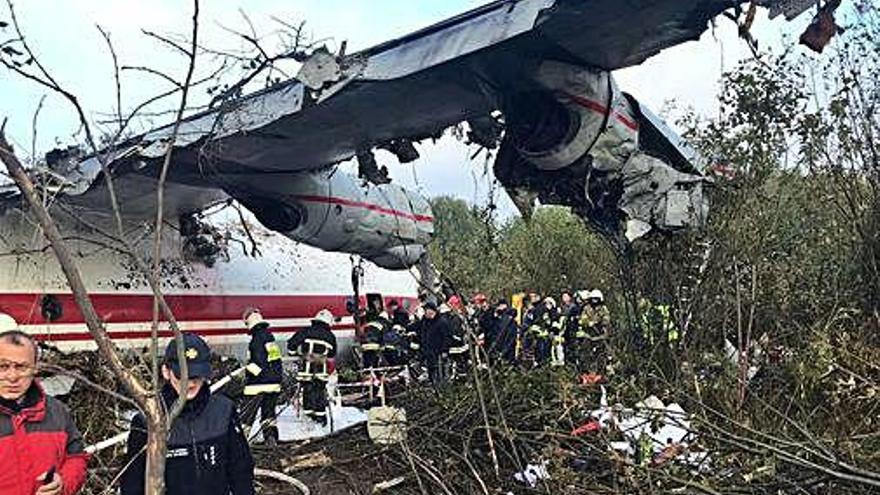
(41, 451)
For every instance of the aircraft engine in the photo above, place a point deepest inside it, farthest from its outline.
(335, 211)
(576, 111)
(575, 139)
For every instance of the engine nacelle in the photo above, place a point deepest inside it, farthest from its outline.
(579, 111)
(335, 211)
(577, 140)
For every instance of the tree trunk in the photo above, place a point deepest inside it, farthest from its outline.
(156, 449)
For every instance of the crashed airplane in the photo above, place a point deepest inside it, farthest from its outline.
(532, 80)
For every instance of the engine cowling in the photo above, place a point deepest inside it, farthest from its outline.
(575, 139)
(335, 211)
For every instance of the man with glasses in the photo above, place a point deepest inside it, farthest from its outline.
(41, 450)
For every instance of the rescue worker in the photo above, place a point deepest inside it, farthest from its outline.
(596, 322)
(398, 315)
(459, 352)
(570, 311)
(261, 390)
(578, 345)
(208, 453)
(371, 348)
(435, 337)
(394, 346)
(559, 323)
(37, 432)
(531, 325)
(503, 341)
(658, 325)
(316, 345)
(547, 328)
(482, 315)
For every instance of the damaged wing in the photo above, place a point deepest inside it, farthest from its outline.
(538, 71)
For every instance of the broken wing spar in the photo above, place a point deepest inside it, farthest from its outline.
(566, 133)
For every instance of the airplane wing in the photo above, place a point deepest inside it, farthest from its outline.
(530, 76)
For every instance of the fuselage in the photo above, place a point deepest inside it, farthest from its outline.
(288, 281)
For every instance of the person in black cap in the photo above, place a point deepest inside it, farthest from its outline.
(207, 450)
(262, 388)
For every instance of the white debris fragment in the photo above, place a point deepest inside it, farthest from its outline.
(293, 427)
(655, 424)
(57, 385)
(532, 474)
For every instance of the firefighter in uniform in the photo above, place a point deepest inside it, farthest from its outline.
(459, 352)
(371, 348)
(316, 345)
(595, 322)
(531, 326)
(541, 328)
(660, 333)
(261, 390)
(393, 344)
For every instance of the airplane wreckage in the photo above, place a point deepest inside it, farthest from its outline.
(532, 80)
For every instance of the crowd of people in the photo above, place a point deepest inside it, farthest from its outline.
(448, 336)
(208, 451)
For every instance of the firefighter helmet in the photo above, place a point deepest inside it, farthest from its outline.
(324, 316)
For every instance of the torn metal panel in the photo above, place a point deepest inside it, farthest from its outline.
(493, 24)
(789, 8)
(658, 195)
(231, 118)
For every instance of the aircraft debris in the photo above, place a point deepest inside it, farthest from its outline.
(387, 485)
(306, 461)
(532, 474)
(822, 28)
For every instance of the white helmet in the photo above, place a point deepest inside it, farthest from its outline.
(583, 294)
(252, 318)
(7, 323)
(596, 294)
(324, 316)
(549, 301)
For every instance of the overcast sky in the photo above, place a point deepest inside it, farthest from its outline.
(67, 41)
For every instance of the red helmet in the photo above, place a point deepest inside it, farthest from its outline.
(479, 298)
(454, 301)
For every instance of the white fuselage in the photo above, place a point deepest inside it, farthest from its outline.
(288, 281)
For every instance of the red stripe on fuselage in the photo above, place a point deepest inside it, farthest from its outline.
(369, 206)
(137, 308)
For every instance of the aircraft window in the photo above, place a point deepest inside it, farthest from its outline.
(51, 308)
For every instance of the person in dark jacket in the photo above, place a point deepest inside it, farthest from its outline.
(262, 389)
(207, 450)
(37, 432)
(459, 349)
(504, 333)
(435, 336)
(316, 345)
(371, 347)
(398, 315)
